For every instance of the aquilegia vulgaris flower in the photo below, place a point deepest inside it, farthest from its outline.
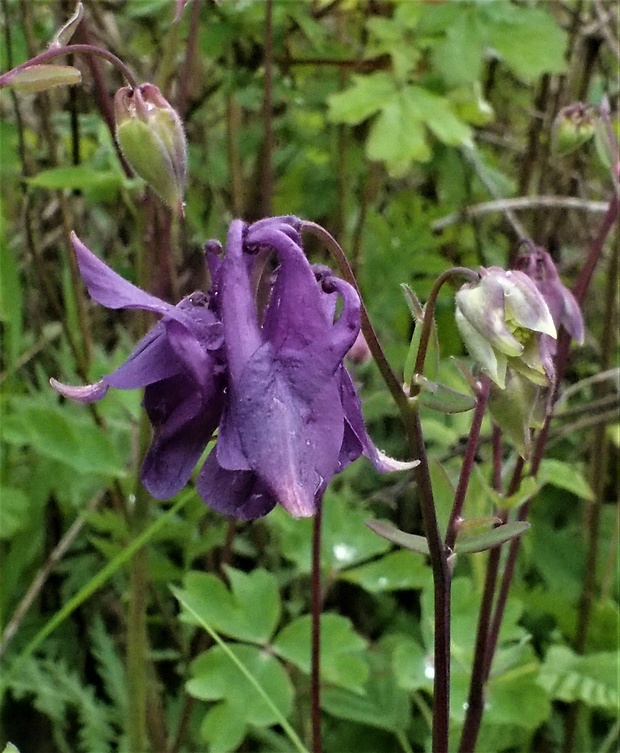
(287, 415)
(501, 318)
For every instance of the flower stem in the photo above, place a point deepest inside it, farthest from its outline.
(315, 668)
(137, 637)
(70, 49)
(468, 462)
(429, 317)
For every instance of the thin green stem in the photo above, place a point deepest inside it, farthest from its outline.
(71, 49)
(315, 664)
(468, 462)
(137, 635)
(429, 317)
(404, 743)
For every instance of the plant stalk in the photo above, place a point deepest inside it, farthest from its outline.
(316, 605)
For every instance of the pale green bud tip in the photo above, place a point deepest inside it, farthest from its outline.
(150, 134)
(38, 78)
(573, 126)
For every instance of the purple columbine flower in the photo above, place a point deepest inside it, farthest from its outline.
(179, 364)
(288, 414)
(292, 419)
(538, 265)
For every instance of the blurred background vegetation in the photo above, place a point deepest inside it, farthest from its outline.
(405, 128)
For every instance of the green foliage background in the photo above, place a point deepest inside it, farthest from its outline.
(387, 117)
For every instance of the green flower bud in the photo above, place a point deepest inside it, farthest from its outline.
(38, 78)
(501, 319)
(573, 126)
(151, 137)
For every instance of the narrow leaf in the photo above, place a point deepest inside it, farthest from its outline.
(409, 540)
(491, 539)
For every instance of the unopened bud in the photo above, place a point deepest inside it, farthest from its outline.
(151, 137)
(38, 78)
(573, 126)
(501, 319)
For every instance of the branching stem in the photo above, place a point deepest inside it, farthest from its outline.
(71, 49)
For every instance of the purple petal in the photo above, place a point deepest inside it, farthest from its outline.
(292, 445)
(240, 494)
(183, 422)
(308, 369)
(572, 318)
(241, 331)
(87, 393)
(230, 453)
(189, 352)
(110, 289)
(151, 361)
(295, 315)
(357, 436)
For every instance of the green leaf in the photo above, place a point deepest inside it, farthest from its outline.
(214, 677)
(412, 665)
(533, 707)
(591, 679)
(491, 539)
(529, 40)
(459, 55)
(345, 541)
(397, 136)
(78, 178)
(383, 704)
(10, 748)
(55, 433)
(443, 399)
(396, 571)
(342, 662)
(443, 491)
(368, 95)
(249, 611)
(528, 488)
(11, 303)
(437, 113)
(565, 476)
(14, 511)
(389, 532)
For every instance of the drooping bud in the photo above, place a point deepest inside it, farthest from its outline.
(38, 78)
(573, 126)
(538, 265)
(501, 319)
(151, 137)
